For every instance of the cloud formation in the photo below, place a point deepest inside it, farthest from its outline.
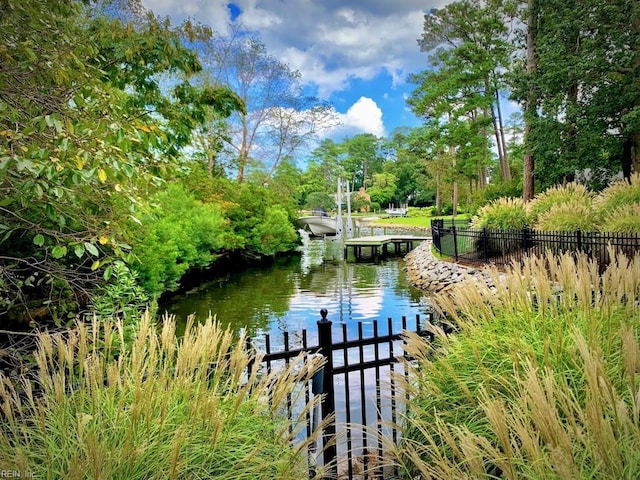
(364, 116)
(331, 42)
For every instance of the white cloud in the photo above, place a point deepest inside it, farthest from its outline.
(364, 116)
(328, 42)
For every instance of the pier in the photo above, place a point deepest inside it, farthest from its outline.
(378, 245)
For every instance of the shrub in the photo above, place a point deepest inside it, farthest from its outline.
(618, 194)
(539, 382)
(623, 219)
(274, 234)
(567, 217)
(501, 214)
(178, 233)
(320, 200)
(122, 296)
(572, 193)
(160, 408)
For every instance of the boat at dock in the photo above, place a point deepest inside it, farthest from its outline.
(319, 224)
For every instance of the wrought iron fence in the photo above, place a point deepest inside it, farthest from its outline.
(502, 247)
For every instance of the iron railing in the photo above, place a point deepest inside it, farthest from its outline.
(502, 247)
(359, 388)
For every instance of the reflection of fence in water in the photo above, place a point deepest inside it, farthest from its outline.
(359, 387)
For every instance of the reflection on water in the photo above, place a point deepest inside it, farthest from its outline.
(288, 295)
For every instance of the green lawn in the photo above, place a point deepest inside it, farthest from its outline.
(417, 222)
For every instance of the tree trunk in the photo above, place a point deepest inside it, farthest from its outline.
(505, 173)
(635, 153)
(530, 104)
(244, 153)
(505, 153)
(438, 188)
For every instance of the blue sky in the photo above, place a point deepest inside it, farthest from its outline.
(354, 54)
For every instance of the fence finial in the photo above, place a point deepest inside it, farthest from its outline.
(323, 314)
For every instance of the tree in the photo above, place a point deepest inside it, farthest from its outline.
(530, 108)
(470, 40)
(279, 119)
(362, 159)
(584, 89)
(323, 168)
(86, 132)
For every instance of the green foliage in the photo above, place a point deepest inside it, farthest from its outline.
(85, 135)
(161, 408)
(501, 214)
(569, 216)
(320, 200)
(121, 296)
(274, 233)
(537, 382)
(493, 191)
(618, 194)
(177, 234)
(623, 219)
(383, 188)
(574, 194)
(574, 132)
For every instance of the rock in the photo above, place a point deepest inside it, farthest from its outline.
(431, 274)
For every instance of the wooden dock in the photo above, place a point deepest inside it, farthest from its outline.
(378, 245)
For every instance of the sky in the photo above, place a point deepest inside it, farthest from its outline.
(355, 54)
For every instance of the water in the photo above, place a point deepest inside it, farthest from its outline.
(288, 295)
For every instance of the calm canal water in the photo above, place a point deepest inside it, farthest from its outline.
(288, 295)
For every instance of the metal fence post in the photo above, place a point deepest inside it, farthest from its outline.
(455, 242)
(485, 253)
(325, 341)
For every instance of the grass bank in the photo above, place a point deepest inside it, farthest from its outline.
(417, 222)
(539, 382)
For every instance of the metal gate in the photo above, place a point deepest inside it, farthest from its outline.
(359, 388)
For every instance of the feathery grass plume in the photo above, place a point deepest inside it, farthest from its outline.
(573, 193)
(539, 382)
(567, 217)
(158, 407)
(501, 214)
(622, 219)
(619, 193)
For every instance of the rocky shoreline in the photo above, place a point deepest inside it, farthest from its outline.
(428, 273)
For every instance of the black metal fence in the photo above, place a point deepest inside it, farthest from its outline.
(359, 392)
(502, 247)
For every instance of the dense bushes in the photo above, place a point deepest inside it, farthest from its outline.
(184, 230)
(178, 233)
(568, 207)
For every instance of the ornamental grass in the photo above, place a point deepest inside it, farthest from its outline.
(539, 382)
(153, 408)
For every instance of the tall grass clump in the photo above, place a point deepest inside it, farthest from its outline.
(620, 192)
(567, 217)
(539, 382)
(620, 201)
(623, 219)
(158, 408)
(574, 194)
(501, 214)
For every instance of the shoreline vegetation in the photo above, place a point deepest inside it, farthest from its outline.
(539, 380)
